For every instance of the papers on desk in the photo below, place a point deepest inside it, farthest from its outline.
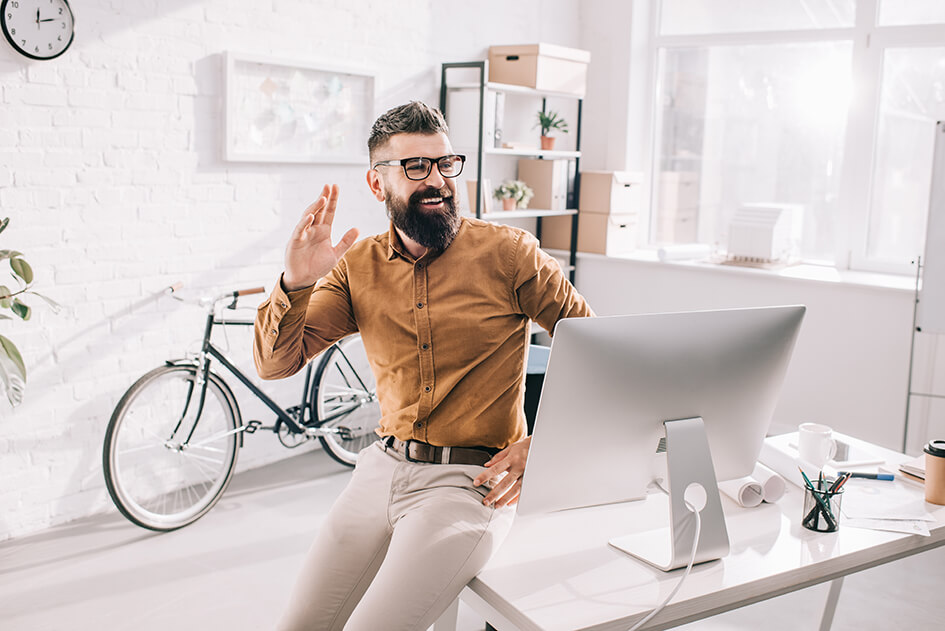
(885, 506)
(914, 467)
(877, 505)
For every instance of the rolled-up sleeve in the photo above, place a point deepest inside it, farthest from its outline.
(292, 327)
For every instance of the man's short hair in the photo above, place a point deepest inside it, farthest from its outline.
(411, 118)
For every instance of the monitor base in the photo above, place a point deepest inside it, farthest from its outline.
(690, 477)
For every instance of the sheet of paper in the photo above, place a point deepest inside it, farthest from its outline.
(879, 499)
(911, 527)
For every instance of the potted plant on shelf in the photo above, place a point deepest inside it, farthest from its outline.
(550, 121)
(514, 194)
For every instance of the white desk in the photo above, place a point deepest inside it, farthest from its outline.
(557, 572)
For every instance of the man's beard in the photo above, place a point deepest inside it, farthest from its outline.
(433, 229)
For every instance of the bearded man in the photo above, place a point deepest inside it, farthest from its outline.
(442, 303)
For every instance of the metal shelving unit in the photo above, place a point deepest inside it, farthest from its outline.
(483, 86)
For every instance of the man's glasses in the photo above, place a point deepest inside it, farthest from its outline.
(419, 168)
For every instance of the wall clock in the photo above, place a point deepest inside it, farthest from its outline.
(38, 29)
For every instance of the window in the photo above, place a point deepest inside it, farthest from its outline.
(912, 98)
(825, 108)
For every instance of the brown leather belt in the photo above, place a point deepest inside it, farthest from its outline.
(416, 451)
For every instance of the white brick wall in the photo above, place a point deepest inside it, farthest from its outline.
(111, 172)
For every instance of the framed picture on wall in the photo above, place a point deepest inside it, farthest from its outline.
(278, 111)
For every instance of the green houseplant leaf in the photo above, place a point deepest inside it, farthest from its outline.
(9, 351)
(21, 309)
(22, 269)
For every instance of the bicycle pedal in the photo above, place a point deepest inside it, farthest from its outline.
(252, 426)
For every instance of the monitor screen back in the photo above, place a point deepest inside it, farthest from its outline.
(612, 382)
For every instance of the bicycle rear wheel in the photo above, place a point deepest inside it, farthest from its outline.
(158, 477)
(344, 396)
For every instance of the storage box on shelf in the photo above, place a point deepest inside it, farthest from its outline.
(540, 66)
(610, 204)
(549, 180)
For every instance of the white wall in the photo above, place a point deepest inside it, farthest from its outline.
(111, 170)
(111, 173)
(850, 365)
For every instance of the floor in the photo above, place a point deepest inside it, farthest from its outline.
(230, 570)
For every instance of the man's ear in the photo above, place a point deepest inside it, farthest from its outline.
(375, 184)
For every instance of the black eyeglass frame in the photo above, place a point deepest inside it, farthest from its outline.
(428, 161)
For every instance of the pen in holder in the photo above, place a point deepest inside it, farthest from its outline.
(822, 505)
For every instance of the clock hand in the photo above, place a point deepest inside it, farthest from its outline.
(48, 20)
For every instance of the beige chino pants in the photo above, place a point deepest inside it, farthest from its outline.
(397, 547)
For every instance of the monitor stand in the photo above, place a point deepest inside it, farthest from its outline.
(690, 476)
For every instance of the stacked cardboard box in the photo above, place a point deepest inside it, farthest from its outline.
(609, 207)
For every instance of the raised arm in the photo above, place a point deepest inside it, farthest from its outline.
(294, 325)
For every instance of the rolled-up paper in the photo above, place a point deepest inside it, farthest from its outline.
(772, 485)
(683, 252)
(745, 491)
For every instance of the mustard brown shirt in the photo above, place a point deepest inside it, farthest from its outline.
(445, 334)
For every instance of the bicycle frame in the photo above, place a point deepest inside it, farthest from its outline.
(209, 351)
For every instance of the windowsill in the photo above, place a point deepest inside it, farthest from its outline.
(804, 272)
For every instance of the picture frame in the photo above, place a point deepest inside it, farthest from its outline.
(284, 111)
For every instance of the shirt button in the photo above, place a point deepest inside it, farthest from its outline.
(419, 265)
(427, 389)
(419, 424)
(419, 305)
(424, 346)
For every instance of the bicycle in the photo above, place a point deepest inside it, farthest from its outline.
(173, 439)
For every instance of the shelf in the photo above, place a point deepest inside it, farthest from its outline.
(514, 89)
(482, 152)
(527, 213)
(533, 151)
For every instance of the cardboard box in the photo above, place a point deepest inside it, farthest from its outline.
(617, 192)
(545, 67)
(548, 179)
(598, 233)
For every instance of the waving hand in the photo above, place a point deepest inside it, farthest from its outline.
(309, 254)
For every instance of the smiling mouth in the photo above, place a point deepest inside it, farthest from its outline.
(432, 201)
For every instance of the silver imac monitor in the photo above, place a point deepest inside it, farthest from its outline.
(705, 382)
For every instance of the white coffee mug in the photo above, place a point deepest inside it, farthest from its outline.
(815, 444)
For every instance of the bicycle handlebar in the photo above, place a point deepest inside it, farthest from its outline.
(211, 302)
(249, 292)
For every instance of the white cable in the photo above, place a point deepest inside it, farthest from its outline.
(692, 559)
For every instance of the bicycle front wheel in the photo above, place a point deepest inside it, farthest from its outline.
(345, 397)
(166, 461)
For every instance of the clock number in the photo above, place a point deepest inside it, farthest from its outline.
(60, 10)
(36, 50)
(16, 5)
(13, 31)
(63, 26)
